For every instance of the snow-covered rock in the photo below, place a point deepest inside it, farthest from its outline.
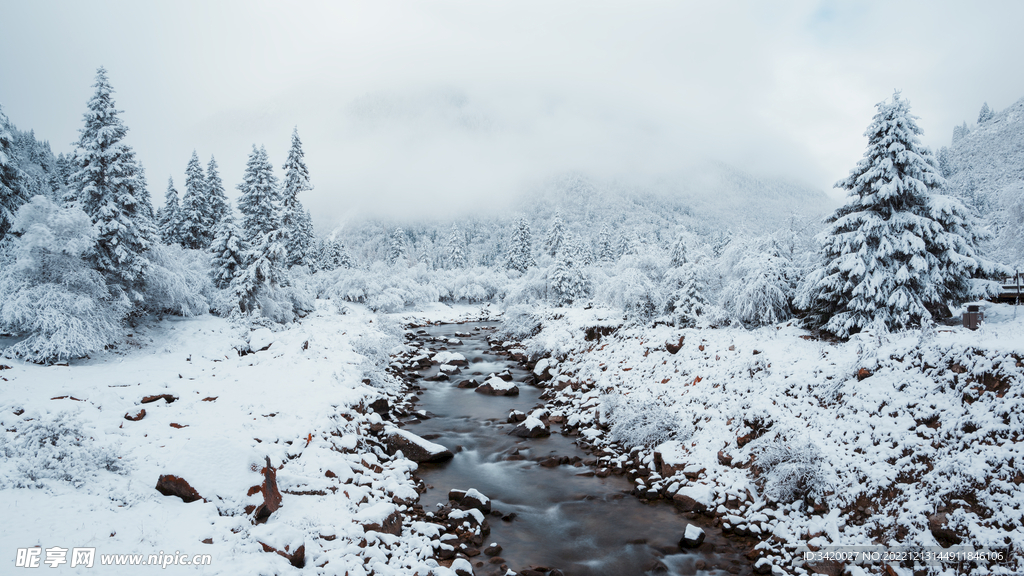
(261, 339)
(415, 448)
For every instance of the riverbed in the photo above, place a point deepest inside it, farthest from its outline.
(564, 516)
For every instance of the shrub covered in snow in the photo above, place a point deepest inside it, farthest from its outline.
(49, 294)
(640, 419)
(53, 447)
(791, 469)
(519, 323)
(178, 282)
(633, 292)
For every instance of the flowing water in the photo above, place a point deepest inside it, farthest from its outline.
(581, 525)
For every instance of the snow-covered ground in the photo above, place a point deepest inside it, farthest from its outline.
(76, 473)
(903, 439)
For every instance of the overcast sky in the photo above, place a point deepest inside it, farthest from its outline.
(424, 107)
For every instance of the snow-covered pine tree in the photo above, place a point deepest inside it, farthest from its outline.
(985, 114)
(678, 255)
(567, 281)
(304, 237)
(168, 217)
(897, 247)
(627, 244)
(520, 247)
(296, 180)
(259, 201)
(215, 195)
(456, 251)
(11, 195)
(578, 250)
(258, 283)
(605, 249)
(111, 189)
(556, 236)
(333, 255)
(396, 247)
(227, 252)
(66, 169)
(196, 216)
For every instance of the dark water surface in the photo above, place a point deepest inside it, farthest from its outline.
(581, 525)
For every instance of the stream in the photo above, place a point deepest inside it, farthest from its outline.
(582, 525)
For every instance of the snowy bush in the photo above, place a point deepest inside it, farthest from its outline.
(760, 282)
(519, 323)
(376, 348)
(386, 288)
(792, 469)
(530, 288)
(633, 292)
(178, 281)
(49, 294)
(642, 420)
(53, 447)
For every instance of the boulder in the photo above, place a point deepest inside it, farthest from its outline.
(692, 537)
(471, 498)
(495, 386)
(673, 347)
(505, 375)
(137, 416)
(471, 383)
(493, 550)
(449, 369)
(260, 339)
(462, 567)
(945, 536)
(168, 398)
(382, 517)
(170, 485)
(515, 417)
(531, 428)
(415, 448)
(453, 358)
(694, 498)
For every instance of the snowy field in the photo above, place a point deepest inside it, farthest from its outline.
(78, 474)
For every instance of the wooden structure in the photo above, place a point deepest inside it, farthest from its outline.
(1010, 290)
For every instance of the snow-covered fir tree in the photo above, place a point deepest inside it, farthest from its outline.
(677, 257)
(11, 195)
(111, 189)
(985, 114)
(296, 180)
(50, 294)
(520, 247)
(898, 247)
(605, 248)
(456, 250)
(578, 250)
(627, 244)
(168, 217)
(333, 255)
(568, 282)
(216, 197)
(227, 253)
(396, 247)
(556, 236)
(259, 201)
(196, 217)
(686, 301)
(258, 284)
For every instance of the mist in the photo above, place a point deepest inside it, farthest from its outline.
(430, 110)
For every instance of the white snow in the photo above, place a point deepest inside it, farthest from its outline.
(260, 339)
(499, 384)
(445, 357)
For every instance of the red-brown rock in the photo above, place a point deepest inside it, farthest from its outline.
(170, 485)
(137, 416)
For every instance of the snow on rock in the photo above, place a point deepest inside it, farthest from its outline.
(495, 386)
(415, 448)
(530, 428)
(260, 339)
(692, 537)
(462, 567)
(446, 357)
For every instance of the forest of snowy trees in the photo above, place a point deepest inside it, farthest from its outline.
(85, 255)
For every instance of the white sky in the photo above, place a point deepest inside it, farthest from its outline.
(424, 107)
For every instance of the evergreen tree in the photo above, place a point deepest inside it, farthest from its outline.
(578, 251)
(396, 248)
(12, 196)
(258, 282)
(568, 282)
(217, 199)
(456, 252)
(196, 220)
(556, 236)
(985, 114)
(627, 244)
(228, 251)
(605, 250)
(169, 216)
(66, 169)
(333, 255)
(259, 201)
(897, 247)
(678, 256)
(686, 302)
(296, 180)
(959, 132)
(520, 247)
(111, 189)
